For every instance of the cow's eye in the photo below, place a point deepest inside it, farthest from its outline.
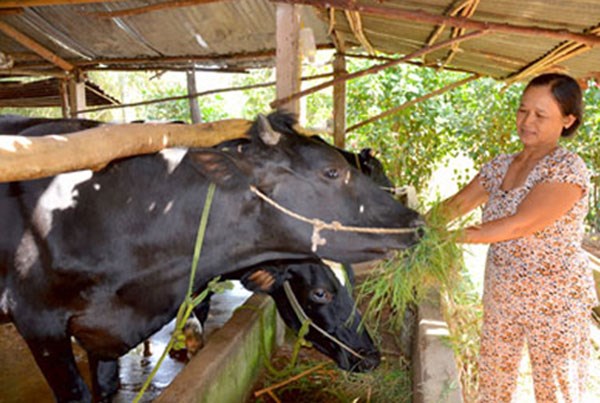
(321, 295)
(331, 173)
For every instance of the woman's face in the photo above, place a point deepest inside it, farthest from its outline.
(539, 118)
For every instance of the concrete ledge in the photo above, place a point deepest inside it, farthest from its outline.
(435, 377)
(229, 364)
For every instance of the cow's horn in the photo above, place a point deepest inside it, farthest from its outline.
(267, 134)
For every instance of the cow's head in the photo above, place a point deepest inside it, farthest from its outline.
(311, 179)
(323, 301)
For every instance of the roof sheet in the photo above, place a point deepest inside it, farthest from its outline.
(44, 93)
(240, 34)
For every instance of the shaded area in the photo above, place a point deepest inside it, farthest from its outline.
(22, 381)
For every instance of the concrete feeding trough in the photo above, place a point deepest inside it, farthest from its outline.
(229, 364)
(226, 369)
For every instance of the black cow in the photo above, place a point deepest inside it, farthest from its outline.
(323, 298)
(79, 252)
(366, 162)
(16, 124)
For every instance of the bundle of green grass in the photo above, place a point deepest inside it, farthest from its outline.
(435, 262)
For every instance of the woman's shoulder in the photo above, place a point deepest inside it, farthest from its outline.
(563, 156)
(563, 164)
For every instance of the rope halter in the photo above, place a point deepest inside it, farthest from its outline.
(319, 225)
(303, 317)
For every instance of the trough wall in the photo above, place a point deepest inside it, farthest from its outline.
(227, 367)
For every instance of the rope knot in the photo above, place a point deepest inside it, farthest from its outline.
(336, 226)
(316, 238)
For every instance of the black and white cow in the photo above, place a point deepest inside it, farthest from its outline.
(79, 252)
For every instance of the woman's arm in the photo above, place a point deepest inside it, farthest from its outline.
(468, 198)
(545, 204)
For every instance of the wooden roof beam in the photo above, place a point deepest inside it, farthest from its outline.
(458, 22)
(414, 102)
(36, 47)
(423, 51)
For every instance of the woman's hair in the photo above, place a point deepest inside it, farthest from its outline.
(568, 95)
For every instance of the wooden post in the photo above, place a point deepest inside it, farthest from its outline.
(339, 102)
(76, 94)
(287, 57)
(64, 97)
(191, 88)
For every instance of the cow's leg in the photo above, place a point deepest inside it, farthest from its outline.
(105, 377)
(57, 363)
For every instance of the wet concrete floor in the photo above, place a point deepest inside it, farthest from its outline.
(21, 380)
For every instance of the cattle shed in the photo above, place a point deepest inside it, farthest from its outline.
(508, 40)
(47, 47)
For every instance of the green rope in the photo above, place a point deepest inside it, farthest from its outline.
(189, 303)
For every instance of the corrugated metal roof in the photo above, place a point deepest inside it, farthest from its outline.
(43, 93)
(241, 34)
(213, 34)
(499, 55)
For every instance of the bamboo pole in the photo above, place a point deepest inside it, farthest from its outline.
(198, 94)
(36, 47)
(413, 102)
(459, 22)
(238, 57)
(36, 157)
(375, 69)
(339, 102)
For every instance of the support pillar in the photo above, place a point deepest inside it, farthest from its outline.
(288, 57)
(193, 101)
(339, 102)
(75, 96)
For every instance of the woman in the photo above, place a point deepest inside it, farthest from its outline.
(538, 288)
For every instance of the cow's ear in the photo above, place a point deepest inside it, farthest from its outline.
(266, 133)
(219, 168)
(264, 280)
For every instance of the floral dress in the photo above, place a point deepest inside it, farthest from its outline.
(537, 289)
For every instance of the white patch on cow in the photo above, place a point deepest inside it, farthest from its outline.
(173, 157)
(152, 206)
(361, 209)
(26, 254)
(6, 303)
(168, 207)
(59, 195)
(338, 271)
(96, 186)
(348, 175)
